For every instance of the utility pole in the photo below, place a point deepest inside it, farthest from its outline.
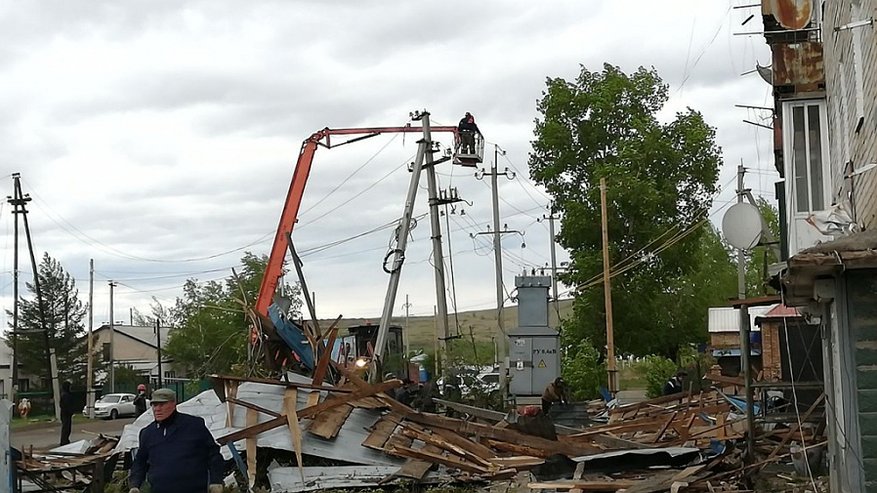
(607, 294)
(551, 217)
(112, 330)
(396, 256)
(407, 307)
(16, 202)
(497, 254)
(744, 327)
(158, 347)
(89, 397)
(21, 200)
(437, 252)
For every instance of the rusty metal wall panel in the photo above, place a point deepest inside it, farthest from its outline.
(798, 64)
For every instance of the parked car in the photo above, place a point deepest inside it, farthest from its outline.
(113, 406)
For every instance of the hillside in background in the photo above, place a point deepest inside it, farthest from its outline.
(481, 324)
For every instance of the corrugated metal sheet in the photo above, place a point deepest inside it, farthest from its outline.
(347, 446)
(798, 64)
(727, 319)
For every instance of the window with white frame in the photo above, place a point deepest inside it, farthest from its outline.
(806, 154)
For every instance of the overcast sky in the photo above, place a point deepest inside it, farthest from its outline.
(159, 138)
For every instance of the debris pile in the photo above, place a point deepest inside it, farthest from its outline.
(76, 466)
(354, 435)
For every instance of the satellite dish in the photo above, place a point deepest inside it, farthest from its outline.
(742, 226)
(792, 14)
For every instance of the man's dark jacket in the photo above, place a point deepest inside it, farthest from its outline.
(178, 455)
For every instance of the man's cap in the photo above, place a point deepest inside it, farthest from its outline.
(164, 395)
(141, 387)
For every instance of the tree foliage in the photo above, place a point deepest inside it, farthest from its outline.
(660, 182)
(210, 326)
(64, 315)
(583, 370)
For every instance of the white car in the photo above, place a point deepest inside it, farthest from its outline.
(113, 406)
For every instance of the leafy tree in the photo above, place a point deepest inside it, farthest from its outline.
(660, 176)
(763, 256)
(64, 315)
(656, 370)
(157, 311)
(583, 370)
(210, 326)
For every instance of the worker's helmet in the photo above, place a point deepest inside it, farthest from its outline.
(389, 376)
(141, 387)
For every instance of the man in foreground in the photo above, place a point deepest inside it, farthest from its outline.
(177, 453)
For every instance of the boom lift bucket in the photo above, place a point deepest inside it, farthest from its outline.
(466, 155)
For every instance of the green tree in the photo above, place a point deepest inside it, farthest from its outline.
(761, 257)
(210, 326)
(583, 371)
(64, 328)
(661, 179)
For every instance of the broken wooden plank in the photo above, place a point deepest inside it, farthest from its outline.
(252, 419)
(430, 439)
(416, 469)
(505, 435)
(582, 485)
(382, 431)
(327, 425)
(447, 461)
(290, 398)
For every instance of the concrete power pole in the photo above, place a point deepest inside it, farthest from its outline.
(407, 306)
(112, 329)
(89, 378)
(438, 256)
(744, 326)
(551, 217)
(501, 350)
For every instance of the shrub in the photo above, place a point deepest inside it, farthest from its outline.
(582, 370)
(656, 370)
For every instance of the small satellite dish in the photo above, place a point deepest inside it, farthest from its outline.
(792, 14)
(742, 226)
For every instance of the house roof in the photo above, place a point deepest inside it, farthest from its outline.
(727, 319)
(783, 311)
(143, 334)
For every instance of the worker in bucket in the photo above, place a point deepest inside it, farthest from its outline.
(177, 453)
(467, 129)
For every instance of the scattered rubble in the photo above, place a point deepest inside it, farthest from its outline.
(353, 435)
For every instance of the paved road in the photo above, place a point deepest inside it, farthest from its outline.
(48, 435)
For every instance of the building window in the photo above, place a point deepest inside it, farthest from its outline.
(807, 154)
(105, 352)
(23, 385)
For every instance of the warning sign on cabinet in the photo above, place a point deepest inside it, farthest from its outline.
(541, 364)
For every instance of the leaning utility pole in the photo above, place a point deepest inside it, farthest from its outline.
(112, 348)
(607, 294)
(23, 199)
(396, 256)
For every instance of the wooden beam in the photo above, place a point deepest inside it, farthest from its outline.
(252, 420)
(269, 381)
(248, 405)
(447, 461)
(583, 485)
(290, 400)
